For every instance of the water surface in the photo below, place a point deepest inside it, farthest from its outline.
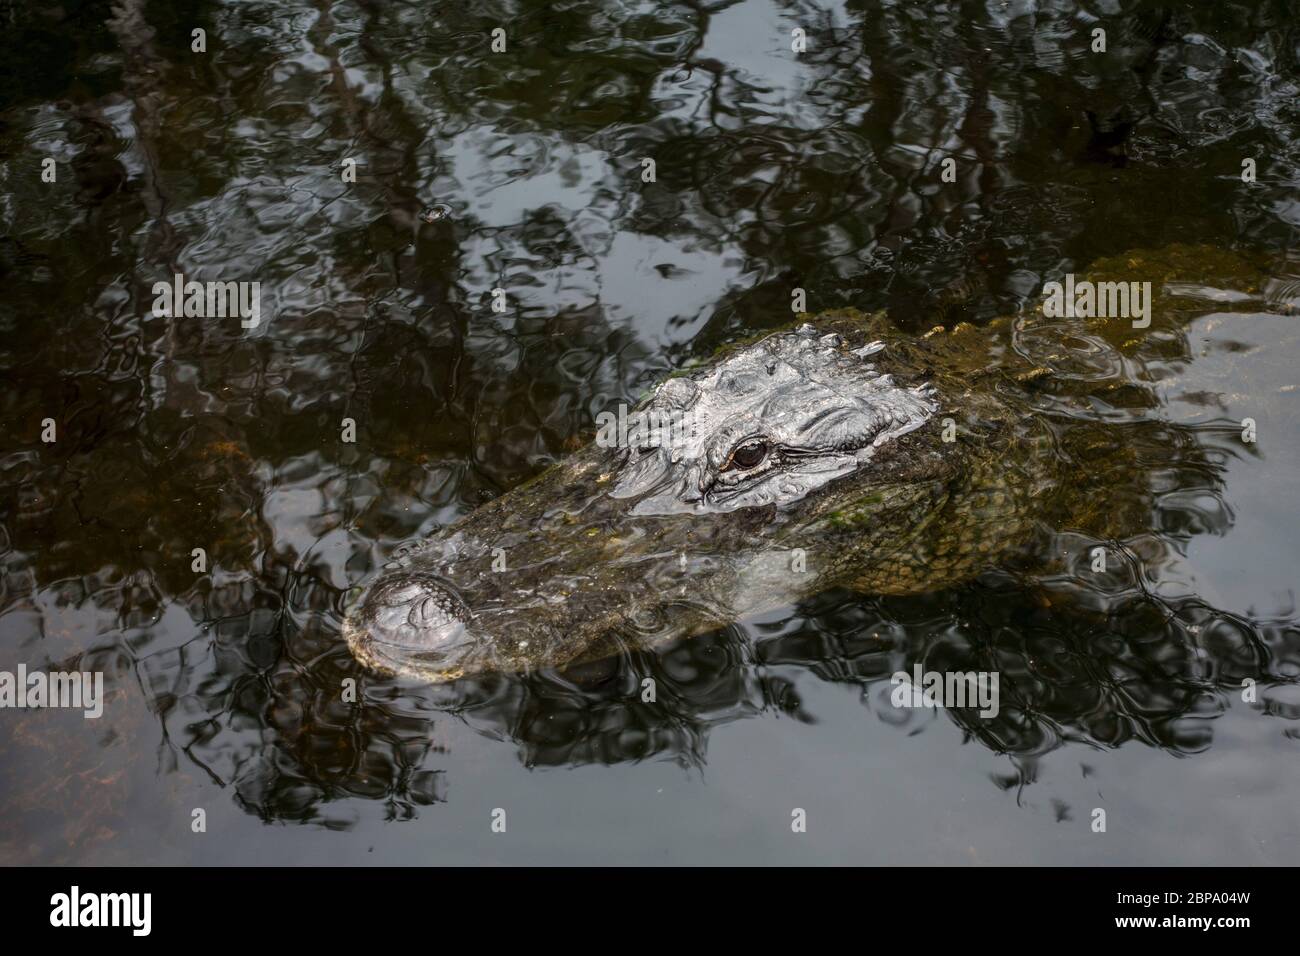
(820, 171)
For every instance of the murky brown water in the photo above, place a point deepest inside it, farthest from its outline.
(773, 171)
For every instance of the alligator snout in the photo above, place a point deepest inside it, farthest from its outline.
(413, 619)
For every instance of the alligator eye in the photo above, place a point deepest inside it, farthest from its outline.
(746, 456)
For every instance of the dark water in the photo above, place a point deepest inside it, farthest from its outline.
(773, 171)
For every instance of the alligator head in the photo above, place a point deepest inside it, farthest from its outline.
(768, 425)
(808, 459)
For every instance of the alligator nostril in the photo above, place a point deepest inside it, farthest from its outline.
(427, 612)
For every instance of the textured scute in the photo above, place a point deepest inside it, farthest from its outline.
(820, 409)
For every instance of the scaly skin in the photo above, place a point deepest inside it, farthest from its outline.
(586, 575)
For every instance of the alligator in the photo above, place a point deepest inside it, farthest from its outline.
(838, 452)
